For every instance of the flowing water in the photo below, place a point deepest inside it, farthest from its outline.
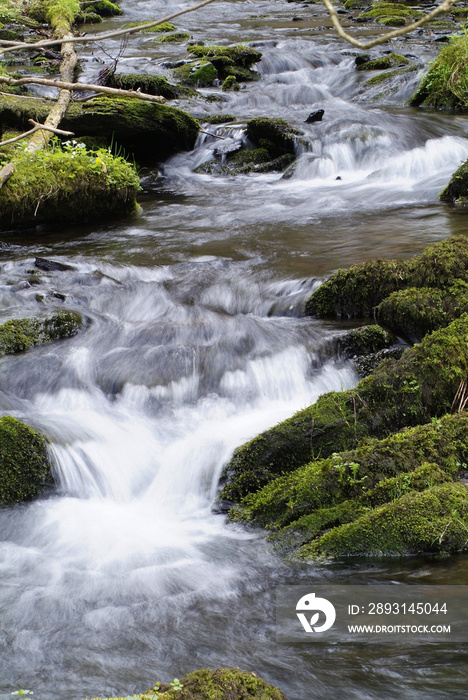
(194, 343)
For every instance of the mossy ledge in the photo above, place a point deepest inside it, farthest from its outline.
(355, 292)
(25, 470)
(445, 86)
(148, 130)
(401, 392)
(220, 684)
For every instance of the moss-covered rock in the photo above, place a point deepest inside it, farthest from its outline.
(230, 83)
(457, 189)
(413, 313)
(174, 38)
(156, 29)
(390, 75)
(229, 60)
(357, 4)
(150, 131)
(276, 135)
(409, 391)
(151, 84)
(364, 340)
(433, 521)
(390, 60)
(104, 8)
(445, 86)
(221, 684)
(197, 74)
(69, 185)
(18, 335)
(24, 465)
(386, 12)
(376, 472)
(357, 291)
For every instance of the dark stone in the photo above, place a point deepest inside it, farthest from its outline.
(315, 116)
(49, 265)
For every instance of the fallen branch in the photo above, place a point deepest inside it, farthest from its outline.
(36, 127)
(443, 7)
(105, 35)
(62, 85)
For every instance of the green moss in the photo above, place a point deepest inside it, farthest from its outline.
(158, 28)
(218, 118)
(88, 18)
(374, 473)
(221, 684)
(459, 12)
(406, 392)
(357, 291)
(389, 75)
(150, 84)
(391, 60)
(18, 335)
(105, 8)
(24, 466)
(458, 185)
(434, 521)
(196, 74)
(446, 83)
(56, 185)
(393, 21)
(275, 135)
(240, 55)
(413, 313)
(385, 10)
(150, 131)
(175, 38)
(357, 4)
(365, 340)
(230, 83)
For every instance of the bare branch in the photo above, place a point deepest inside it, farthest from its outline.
(36, 127)
(443, 7)
(82, 86)
(85, 39)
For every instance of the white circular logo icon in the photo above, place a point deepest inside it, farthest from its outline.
(309, 603)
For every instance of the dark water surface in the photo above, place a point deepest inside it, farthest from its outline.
(195, 343)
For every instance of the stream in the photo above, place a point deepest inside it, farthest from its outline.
(194, 343)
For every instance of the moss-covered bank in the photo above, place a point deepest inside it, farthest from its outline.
(355, 292)
(405, 392)
(445, 86)
(24, 465)
(221, 684)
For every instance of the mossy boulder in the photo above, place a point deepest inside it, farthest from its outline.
(357, 4)
(199, 74)
(220, 684)
(374, 473)
(445, 86)
(174, 38)
(355, 292)
(387, 12)
(390, 60)
(70, 185)
(18, 335)
(148, 130)
(364, 340)
(413, 313)
(233, 61)
(25, 470)
(150, 84)
(269, 146)
(457, 189)
(156, 29)
(401, 392)
(104, 8)
(433, 521)
(391, 75)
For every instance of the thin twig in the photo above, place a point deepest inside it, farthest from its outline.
(443, 7)
(87, 38)
(208, 133)
(62, 85)
(36, 127)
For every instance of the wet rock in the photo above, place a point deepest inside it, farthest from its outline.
(51, 265)
(315, 116)
(21, 334)
(25, 470)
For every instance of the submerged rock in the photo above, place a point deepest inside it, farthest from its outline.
(25, 470)
(221, 684)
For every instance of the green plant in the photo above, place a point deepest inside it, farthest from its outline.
(22, 692)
